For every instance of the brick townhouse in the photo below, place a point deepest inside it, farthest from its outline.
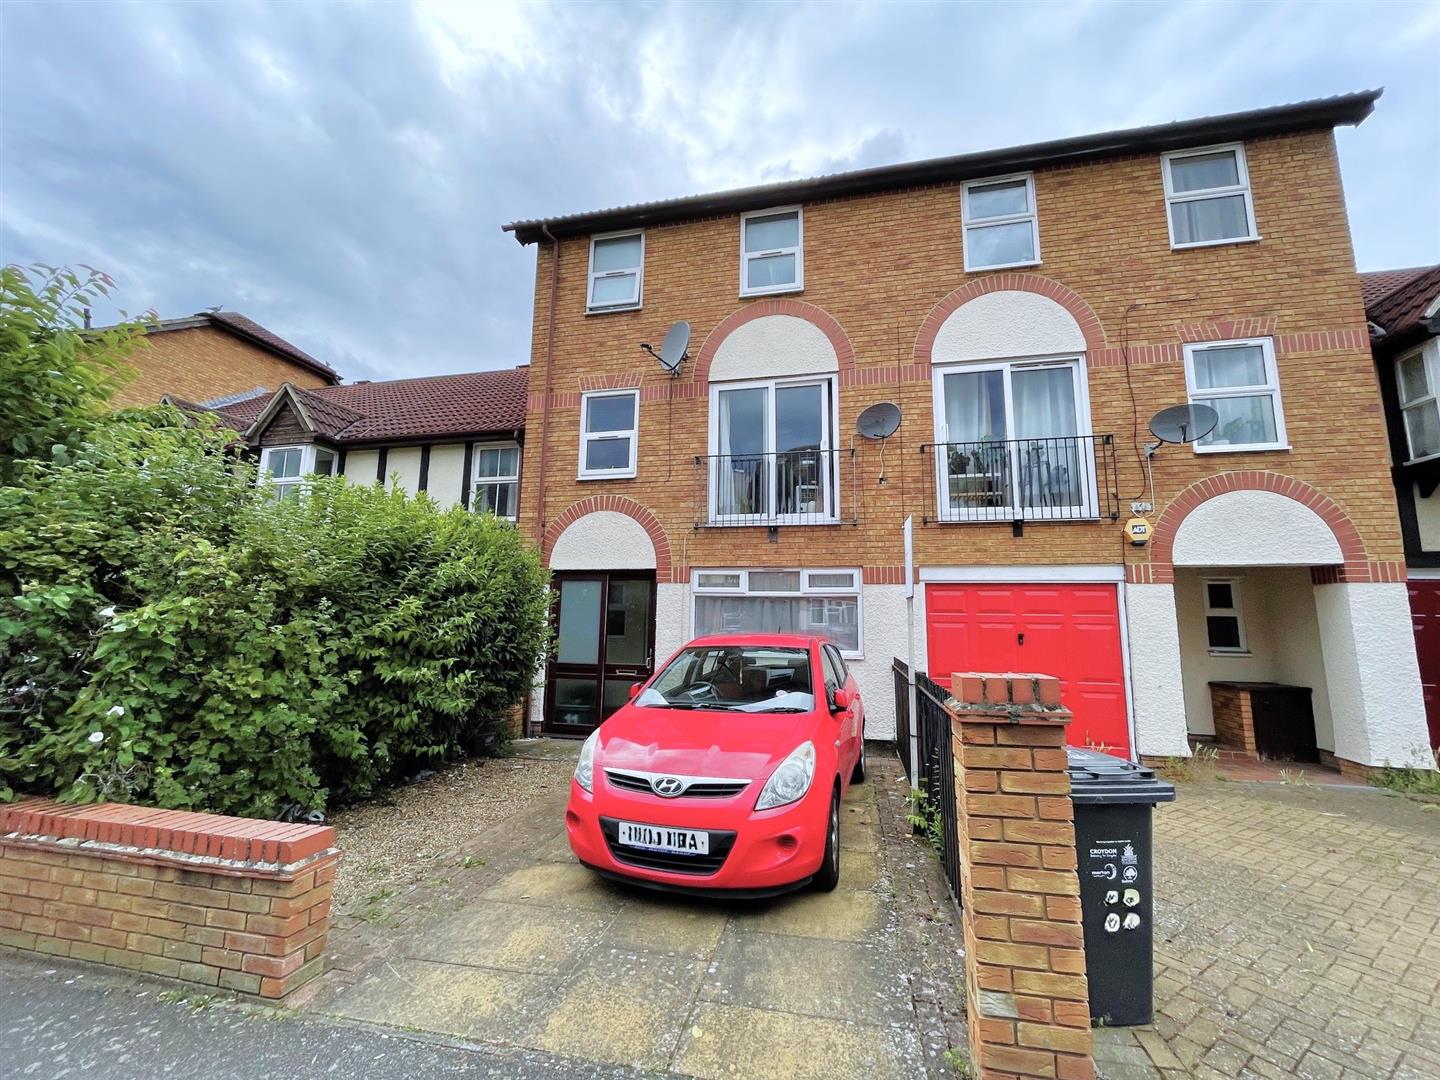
(214, 356)
(1028, 311)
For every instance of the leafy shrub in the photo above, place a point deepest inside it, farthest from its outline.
(239, 654)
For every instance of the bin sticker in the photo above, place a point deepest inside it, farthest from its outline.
(1112, 896)
(1128, 856)
(1131, 921)
(1129, 874)
(1112, 922)
(1113, 860)
(1132, 897)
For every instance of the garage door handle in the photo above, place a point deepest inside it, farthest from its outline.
(1020, 639)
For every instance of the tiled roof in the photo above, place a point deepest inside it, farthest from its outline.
(434, 406)
(1395, 300)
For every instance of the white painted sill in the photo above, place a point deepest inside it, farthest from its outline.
(1283, 448)
(614, 310)
(1002, 266)
(1216, 243)
(619, 474)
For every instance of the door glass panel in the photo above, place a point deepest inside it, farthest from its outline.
(799, 439)
(579, 630)
(575, 704)
(1048, 463)
(617, 693)
(742, 476)
(977, 465)
(627, 624)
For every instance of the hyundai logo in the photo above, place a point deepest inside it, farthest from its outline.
(667, 786)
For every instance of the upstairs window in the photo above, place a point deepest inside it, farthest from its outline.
(609, 429)
(1239, 381)
(284, 468)
(497, 480)
(617, 271)
(772, 258)
(1207, 196)
(1417, 377)
(1001, 228)
(1224, 624)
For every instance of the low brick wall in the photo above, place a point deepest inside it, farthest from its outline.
(235, 903)
(1027, 995)
(1234, 719)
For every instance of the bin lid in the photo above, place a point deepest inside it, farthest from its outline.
(1105, 778)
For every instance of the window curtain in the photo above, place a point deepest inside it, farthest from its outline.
(1048, 465)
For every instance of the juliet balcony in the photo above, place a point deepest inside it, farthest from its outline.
(1061, 478)
(795, 487)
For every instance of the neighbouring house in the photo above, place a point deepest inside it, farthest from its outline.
(215, 356)
(1403, 307)
(459, 438)
(1028, 310)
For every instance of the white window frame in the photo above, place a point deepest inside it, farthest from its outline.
(830, 512)
(307, 466)
(807, 592)
(1235, 610)
(1429, 354)
(477, 481)
(587, 437)
(968, 223)
(1242, 170)
(1271, 386)
(1083, 431)
(798, 251)
(592, 308)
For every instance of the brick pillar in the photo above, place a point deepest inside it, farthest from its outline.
(1028, 1003)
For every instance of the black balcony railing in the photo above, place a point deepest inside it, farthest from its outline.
(797, 487)
(1065, 478)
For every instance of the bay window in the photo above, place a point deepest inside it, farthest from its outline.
(772, 456)
(283, 469)
(823, 602)
(496, 484)
(1417, 377)
(772, 257)
(1207, 196)
(1237, 379)
(1013, 440)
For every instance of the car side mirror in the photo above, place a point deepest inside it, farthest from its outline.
(635, 689)
(839, 700)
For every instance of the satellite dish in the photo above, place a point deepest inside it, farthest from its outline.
(879, 421)
(1183, 423)
(672, 349)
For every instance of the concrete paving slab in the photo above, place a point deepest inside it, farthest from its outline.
(493, 1006)
(839, 980)
(569, 886)
(859, 869)
(843, 915)
(625, 1008)
(728, 1042)
(667, 924)
(858, 835)
(510, 937)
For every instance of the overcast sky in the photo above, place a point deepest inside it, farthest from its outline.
(340, 172)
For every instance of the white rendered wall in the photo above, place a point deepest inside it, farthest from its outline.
(773, 346)
(1372, 674)
(1006, 324)
(1254, 528)
(672, 619)
(402, 469)
(603, 540)
(360, 466)
(447, 467)
(883, 614)
(1155, 671)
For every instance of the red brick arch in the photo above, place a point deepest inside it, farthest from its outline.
(618, 504)
(1063, 295)
(818, 317)
(1357, 565)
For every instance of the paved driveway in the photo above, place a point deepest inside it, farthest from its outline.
(533, 950)
(1297, 934)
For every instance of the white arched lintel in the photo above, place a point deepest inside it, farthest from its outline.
(603, 540)
(774, 346)
(1006, 324)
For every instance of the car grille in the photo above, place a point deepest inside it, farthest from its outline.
(699, 787)
(720, 845)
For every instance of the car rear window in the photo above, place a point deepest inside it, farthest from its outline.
(734, 678)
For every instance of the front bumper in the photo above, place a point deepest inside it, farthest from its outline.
(753, 853)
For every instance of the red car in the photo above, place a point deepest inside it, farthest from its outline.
(723, 774)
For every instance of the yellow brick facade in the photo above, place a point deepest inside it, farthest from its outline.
(880, 264)
(203, 363)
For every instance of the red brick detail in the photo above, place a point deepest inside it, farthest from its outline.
(759, 309)
(1357, 566)
(1063, 295)
(1382, 571)
(177, 831)
(618, 504)
(883, 575)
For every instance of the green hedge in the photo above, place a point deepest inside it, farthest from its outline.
(170, 635)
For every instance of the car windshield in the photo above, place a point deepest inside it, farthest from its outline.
(734, 678)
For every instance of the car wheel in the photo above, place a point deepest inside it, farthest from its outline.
(857, 776)
(829, 874)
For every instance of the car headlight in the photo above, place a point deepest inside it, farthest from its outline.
(585, 767)
(789, 782)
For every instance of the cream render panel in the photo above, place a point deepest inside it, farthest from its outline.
(402, 469)
(772, 347)
(446, 480)
(360, 466)
(1007, 324)
(1255, 528)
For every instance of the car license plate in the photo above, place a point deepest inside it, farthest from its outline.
(659, 838)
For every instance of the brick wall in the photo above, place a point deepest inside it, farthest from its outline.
(204, 363)
(232, 903)
(1027, 997)
(1234, 720)
(880, 264)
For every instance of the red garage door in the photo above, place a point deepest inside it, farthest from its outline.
(1071, 631)
(1425, 611)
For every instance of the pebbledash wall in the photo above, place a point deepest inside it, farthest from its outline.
(886, 296)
